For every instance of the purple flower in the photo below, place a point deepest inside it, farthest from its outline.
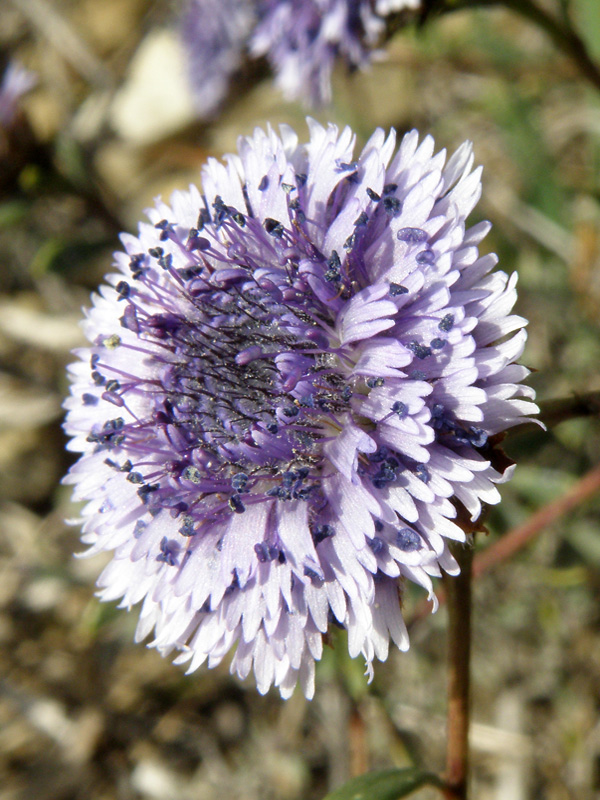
(214, 32)
(16, 82)
(302, 39)
(292, 378)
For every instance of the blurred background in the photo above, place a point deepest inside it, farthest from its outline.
(110, 124)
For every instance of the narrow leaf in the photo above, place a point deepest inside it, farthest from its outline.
(387, 784)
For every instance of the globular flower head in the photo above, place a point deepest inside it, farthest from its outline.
(301, 39)
(292, 378)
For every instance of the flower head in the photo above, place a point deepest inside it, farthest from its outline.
(292, 378)
(302, 39)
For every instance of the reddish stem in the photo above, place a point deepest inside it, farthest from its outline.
(519, 536)
(459, 596)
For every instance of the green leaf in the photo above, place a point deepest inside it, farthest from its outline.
(387, 784)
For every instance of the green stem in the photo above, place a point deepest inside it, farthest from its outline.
(459, 598)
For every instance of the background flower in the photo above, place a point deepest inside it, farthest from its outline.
(291, 384)
(300, 38)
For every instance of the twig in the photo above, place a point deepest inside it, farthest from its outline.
(516, 539)
(459, 596)
(553, 412)
(513, 541)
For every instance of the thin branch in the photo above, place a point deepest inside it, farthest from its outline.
(553, 412)
(518, 537)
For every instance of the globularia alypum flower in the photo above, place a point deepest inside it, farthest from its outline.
(292, 378)
(302, 39)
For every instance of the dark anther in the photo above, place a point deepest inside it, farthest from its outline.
(425, 257)
(312, 574)
(235, 504)
(387, 474)
(166, 261)
(277, 491)
(164, 235)
(389, 188)
(139, 528)
(272, 427)
(203, 219)
(349, 243)
(400, 409)
(156, 252)
(123, 289)
(408, 540)
(376, 544)
(478, 437)
(362, 219)
(342, 166)
(412, 235)
(420, 350)
(392, 206)
(221, 210)
(136, 264)
(94, 359)
(437, 343)
(273, 227)
(191, 474)
(239, 219)
(378, 525)
(397, 288)
(98, 378)
(187, 527)
(346, 393)
(418, 375)
(379, 455)
(422, 473)
(127, 466)
(168, 552)
(288, 478)
(135, 477)
(446, 323)
(291, 411)
(265, 552)
(239, 481)
(322, 532)
(145, 491)
(89, 399)
(373, 383)
(112, 386)
(373, 195)
(301, 178)
(264, 183)
(113, 425)
(287, 187)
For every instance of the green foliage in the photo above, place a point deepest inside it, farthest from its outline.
(388, 784)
